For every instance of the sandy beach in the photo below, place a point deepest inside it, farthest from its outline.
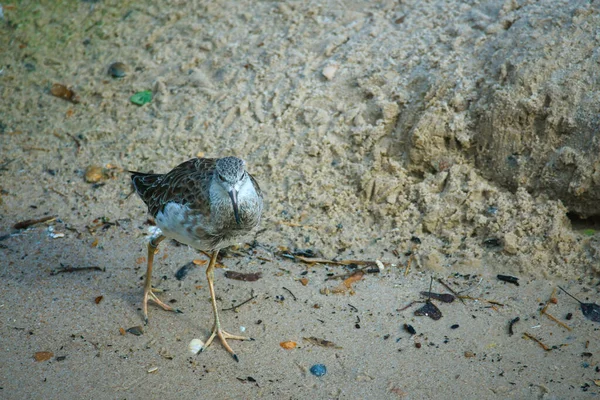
(398, 145)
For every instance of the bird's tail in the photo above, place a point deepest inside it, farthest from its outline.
(142, 181)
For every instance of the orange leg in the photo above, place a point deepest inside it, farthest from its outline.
(217, 331)
(148, 290)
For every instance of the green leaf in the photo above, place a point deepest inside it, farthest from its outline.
(589, 232)
(141, 98)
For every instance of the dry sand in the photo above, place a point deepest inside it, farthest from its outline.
(471, 127)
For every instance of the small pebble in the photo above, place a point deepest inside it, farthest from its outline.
(117, 70)
(455, 326)
(136, 330)
(569, 316)
(329, 71)
(318, 370)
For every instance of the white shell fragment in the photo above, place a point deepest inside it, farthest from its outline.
(195, 346)
(380, 265)
(54, 235)
(329, 71)
(153, 369)
(242, 329)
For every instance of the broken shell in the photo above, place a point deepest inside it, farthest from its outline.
(380, 265)
(195, 346)
(329, 71)
(94, 174)
(153, 369)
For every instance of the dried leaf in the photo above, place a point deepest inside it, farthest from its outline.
(355, 277)
(43, 355)
(430, 310)
(444, 297)
(321, 342)
(288, 345)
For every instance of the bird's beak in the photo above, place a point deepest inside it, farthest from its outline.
(236, 213)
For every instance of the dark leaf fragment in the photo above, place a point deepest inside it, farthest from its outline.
(589, 310)
(430, 310)
(183, 271)
(509, 279)
(444, 297)
(239, 276)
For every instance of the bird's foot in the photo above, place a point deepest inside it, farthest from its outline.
(150, 296)
(223, 336)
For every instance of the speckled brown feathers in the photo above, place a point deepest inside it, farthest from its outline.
(186, 184)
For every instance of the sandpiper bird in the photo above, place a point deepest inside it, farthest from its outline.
(206, 203)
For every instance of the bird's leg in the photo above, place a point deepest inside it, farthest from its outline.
(217, 331)
(148, 290)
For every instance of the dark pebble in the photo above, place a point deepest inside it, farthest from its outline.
(318, 370)
(136, 330)
(409, 328)
(455, 326)
(569, 316)
(117, 70)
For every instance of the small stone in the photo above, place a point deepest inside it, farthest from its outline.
(117, 70)
(469, 354)
(318, 370)
(329, 71)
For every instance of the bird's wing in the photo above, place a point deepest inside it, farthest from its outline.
(256, 187)
(188, 183)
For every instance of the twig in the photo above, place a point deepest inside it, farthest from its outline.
(71, 269)
(407, 269)
(538, 341)
(290, 292)
(57, 192)
(409, 305)
(511, 324)
(440, 280)
(29, 222)
(241, 304)
(553, 318)
(480, 299)
(77, 142)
